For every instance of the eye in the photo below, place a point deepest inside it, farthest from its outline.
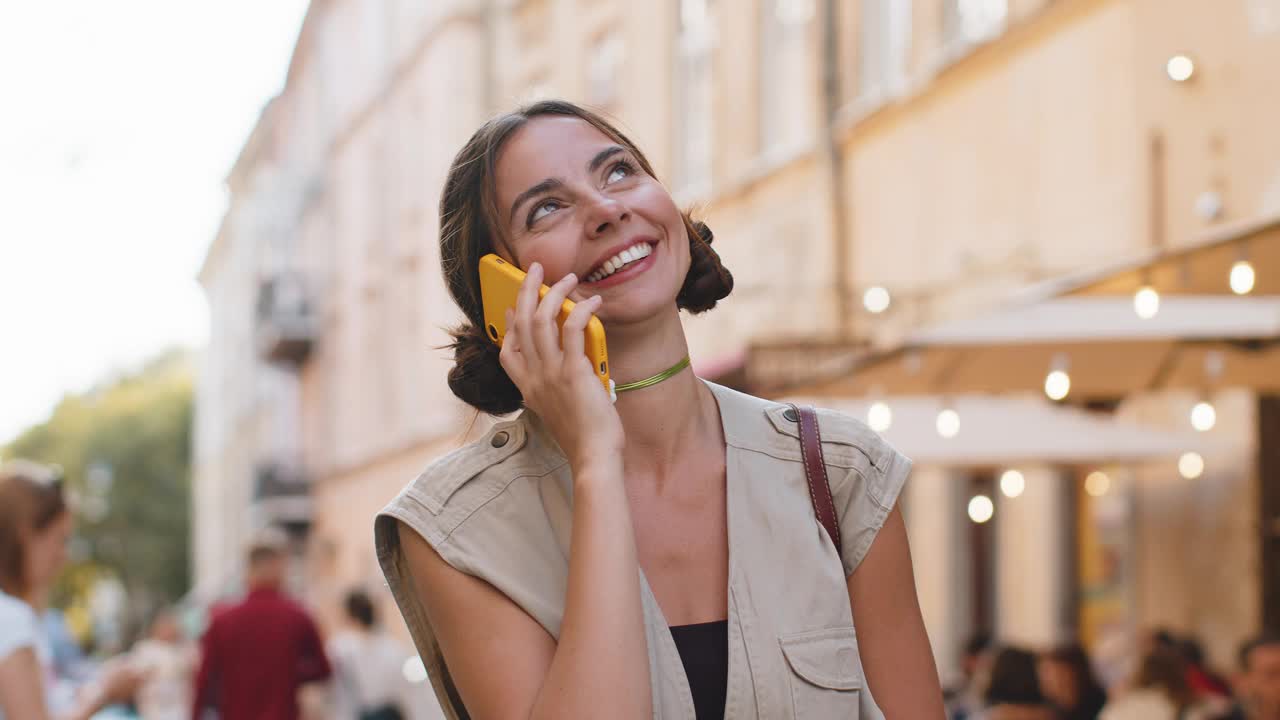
(542, 209)
(622, 169)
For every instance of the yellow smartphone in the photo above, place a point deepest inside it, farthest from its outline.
(500, 286)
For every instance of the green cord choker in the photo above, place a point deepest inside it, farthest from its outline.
(654, 380)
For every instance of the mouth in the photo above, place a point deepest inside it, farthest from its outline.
(624, 263)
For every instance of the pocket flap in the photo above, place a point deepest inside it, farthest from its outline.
(826, 658)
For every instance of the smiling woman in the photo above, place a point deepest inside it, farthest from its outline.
(471, 226)
(657, 557)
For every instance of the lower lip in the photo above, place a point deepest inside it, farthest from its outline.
(627, 272)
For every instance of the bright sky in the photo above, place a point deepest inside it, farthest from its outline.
(120, 121)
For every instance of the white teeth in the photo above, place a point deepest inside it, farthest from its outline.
(617, 262)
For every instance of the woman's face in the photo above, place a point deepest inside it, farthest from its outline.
(572, 199)
(47, 552)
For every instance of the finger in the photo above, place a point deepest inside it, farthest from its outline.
(526, 304)
(510, 357)
(575, 325)
(546, 332)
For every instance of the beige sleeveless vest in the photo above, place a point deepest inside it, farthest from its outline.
(500, 509)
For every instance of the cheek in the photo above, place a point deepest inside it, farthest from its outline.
(555, 250)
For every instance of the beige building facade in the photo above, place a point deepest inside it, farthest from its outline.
(951, 152)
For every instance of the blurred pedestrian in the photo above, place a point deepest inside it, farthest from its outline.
(1204, 682)
(368, 665)
(1070, 683)
(1159, 690)
(964, 698)
(35, 526)
(258, 654)
(168, 663)
(1258, 680)
(1013, 690)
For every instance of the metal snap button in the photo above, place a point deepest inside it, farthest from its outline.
(499, 439)
(789, 414)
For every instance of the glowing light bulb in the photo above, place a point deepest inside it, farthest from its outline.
(1057, 384)
(981, 508)
(948, 423)
(1191, 465)
(1012, 483)
(879, 416)
(1242, 277)
(1146, 302)
(1180, 68)
(1203, 416)
(876, 300)
(1097, 483)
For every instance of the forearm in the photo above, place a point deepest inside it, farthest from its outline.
(896, 656)
(601, 658)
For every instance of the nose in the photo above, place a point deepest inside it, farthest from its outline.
(606, 213)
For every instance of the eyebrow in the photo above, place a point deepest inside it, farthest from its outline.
(553, 183)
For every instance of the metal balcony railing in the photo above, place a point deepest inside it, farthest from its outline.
(287, 325)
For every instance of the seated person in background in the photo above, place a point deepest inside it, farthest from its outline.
(1258, 682)
(1013, 692)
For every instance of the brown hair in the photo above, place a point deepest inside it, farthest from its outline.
(469, 229)
(1165, 670)
(31, 500)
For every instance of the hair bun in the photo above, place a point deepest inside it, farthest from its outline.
(708, 281)
(477, 377)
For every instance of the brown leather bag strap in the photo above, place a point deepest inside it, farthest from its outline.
(815, 472)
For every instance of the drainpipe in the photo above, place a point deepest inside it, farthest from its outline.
(832, 160)
(488, 62)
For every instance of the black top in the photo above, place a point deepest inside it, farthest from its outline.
(704, 651)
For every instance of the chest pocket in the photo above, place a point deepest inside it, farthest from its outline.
(825, 682)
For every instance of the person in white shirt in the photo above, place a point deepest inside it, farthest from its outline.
(169, 665)
(369, 680)
(35, 525)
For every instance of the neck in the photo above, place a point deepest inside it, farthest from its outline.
(661, 421)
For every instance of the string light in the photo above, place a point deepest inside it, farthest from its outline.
(1191, 465)
(1097, 484)
(1180, 68)
(879, 416)
(981, 508)
(948, 422)
(876, 300)
(1242, 277)
(1012, 483)
(1203, 416)
(1146, 302)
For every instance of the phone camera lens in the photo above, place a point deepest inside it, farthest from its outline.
(603, 368)
(493, 332)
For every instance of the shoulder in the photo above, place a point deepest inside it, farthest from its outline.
(19, 626)
(771, 426)
(14, 612)
(454, 488)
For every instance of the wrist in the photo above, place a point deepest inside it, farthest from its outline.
(595, 467)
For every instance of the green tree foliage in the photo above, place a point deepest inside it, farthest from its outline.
(125, 449)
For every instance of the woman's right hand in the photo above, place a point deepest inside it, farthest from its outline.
(550, 367)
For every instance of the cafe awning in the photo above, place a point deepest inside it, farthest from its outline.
(1099, 343)
(1010, 430)
(1202, 268)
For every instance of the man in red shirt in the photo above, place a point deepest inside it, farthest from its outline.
(256, 654)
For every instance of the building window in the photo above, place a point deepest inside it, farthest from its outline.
(884, 37)
(786, 84)
(603, 66)
(695, 49)
(965, 22)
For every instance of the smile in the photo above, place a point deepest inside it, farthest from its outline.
(623, 260)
